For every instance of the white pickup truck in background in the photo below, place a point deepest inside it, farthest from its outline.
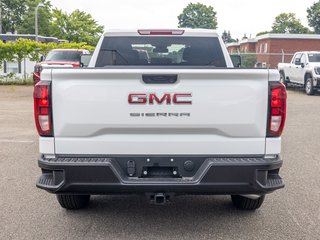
(177, 120)
(304, 70)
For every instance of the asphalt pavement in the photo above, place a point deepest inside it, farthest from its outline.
(29, 213)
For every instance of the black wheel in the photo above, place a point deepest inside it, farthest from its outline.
(283, 78)
(309, 86)
(245, 203)
(73, 202)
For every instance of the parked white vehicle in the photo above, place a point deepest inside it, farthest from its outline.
(183, 121)
(303, 70)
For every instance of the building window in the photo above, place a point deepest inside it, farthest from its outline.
(12, 67)
(261, 48)
(265, 47)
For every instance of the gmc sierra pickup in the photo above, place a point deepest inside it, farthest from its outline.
(304, 70)
(177, 120)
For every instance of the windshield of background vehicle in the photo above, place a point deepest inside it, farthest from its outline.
(314, 57)
(64, 56)
(161, 51)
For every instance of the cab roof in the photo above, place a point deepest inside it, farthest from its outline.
(162, 32)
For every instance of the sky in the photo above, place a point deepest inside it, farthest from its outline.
(239, 16)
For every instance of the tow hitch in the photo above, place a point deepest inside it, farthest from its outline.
(158, 198)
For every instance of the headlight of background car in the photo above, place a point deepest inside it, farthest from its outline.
(317, 70)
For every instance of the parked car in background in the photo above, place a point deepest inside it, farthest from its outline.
(58, 57)
(303, 70)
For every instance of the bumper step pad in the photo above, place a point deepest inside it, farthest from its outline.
(46, 180)
(275, 182)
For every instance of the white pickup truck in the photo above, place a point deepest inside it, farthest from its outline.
(183, 121)
(303, 70)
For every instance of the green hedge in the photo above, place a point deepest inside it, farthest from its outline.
(25, 48)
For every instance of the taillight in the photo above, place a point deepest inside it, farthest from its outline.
(277, 111)
(76, 65)
(43, 108)
(161, 32)
(37, 68)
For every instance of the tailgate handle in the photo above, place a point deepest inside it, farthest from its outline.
(160, 79)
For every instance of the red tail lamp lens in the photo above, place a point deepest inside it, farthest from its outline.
(42, 108)
(278, 105)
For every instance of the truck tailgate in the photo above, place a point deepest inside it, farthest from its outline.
(92, 115)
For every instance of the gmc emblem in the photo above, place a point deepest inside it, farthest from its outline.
(152, 98)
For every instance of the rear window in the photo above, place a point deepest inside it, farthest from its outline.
(161, 51)
(63, 56)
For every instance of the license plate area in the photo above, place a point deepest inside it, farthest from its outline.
(160, 172)
(159, 166)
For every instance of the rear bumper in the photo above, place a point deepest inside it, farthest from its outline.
(211, 175)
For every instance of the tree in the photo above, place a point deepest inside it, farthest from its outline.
(262, 33)
(25, 48)
(12, 12)
(314, 16)
(248, 60)
(76, 27)
(226, 37)
(288, 23)
(197, 15)
(27, 26)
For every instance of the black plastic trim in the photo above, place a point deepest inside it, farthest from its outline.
(217, 175)
(160, 79)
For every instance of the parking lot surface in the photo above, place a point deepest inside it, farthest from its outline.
(29, 213)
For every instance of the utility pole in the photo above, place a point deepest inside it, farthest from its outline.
(36, 19)
(0, 16)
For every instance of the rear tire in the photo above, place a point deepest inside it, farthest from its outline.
(73, 202)
(245, 203)
(309, 86)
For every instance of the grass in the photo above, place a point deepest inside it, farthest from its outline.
(18, 82)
